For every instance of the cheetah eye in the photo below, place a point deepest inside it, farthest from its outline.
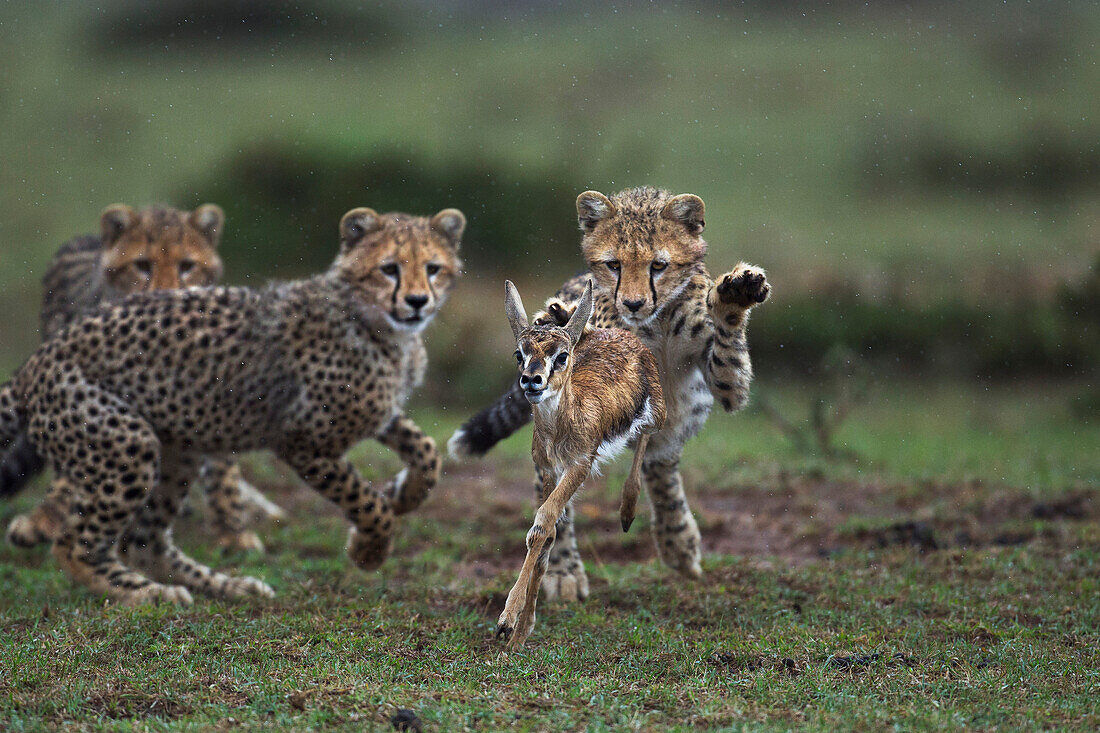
(144, 266)
(390, 269)
(613, 265)
(562, 358)
(432, 269)
(658, 265)
(186, 266)
(519, 356)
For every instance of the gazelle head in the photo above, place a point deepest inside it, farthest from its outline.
(545, 353)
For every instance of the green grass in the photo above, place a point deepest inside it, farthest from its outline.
(849, 626)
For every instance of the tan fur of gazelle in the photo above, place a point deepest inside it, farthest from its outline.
(593, 392)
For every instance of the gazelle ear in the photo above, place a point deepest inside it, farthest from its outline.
(208, 219)
(513, 308)
(114, 220)
(592, 208)
(580, 317)
(357, 223)
(687, 209)
(450, 223)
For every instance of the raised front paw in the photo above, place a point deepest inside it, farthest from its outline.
(743, 286)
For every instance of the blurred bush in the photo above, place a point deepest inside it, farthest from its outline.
(1035, 335)
(176, 26)
(284, 200)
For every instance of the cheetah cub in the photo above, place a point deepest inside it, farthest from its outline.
(124, 402)
(593, 392)
(158, 248)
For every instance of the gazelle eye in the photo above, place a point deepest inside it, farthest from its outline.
(519, 356)
(613, 265)
(563, 357)
(389, 269)
(658, 265)
(144, 266)
(432, 269)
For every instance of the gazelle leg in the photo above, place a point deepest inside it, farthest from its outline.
(525, 624)
(633, 484)
(538, 548)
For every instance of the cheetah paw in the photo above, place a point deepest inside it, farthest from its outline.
(22, 532)
(565, 585)
(244, 586)
(246, 541)
(156, 593)
(744, 286)
(368, 550)
(683, 558)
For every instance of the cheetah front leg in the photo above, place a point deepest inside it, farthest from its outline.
(46, 521)
(148, 541)
(727, 366)
(410, 488)
(369, 510)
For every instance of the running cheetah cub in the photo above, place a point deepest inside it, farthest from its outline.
(125, 401)
(593, 392)
(158, 248)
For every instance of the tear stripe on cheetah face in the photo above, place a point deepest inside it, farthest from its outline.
(305, 368)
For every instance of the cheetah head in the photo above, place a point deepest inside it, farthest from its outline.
(161, 248)
(643, 245)
(403, 265)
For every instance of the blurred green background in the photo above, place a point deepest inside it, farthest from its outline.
(920, 180)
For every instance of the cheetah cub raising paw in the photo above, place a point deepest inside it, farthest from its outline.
(125, 402)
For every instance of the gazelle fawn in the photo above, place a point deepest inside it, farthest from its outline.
(593, 392)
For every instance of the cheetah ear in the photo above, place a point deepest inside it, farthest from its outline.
(688, 210)
(356, 224)
(592, 208)
(208, 219)
(580, 317)
(450, 223)
(115, 220)
(513, 308)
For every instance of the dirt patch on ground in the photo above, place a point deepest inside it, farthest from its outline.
(794, 517)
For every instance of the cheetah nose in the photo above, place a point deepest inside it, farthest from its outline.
(633, 305)
(416, 301)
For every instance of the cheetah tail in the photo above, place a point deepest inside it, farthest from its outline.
(490, 426)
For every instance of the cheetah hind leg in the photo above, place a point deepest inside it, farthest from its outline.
(149, 540)
(109, 488)
(234, 505)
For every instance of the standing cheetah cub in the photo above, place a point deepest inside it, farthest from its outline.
(124, 402)
(592, 392)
